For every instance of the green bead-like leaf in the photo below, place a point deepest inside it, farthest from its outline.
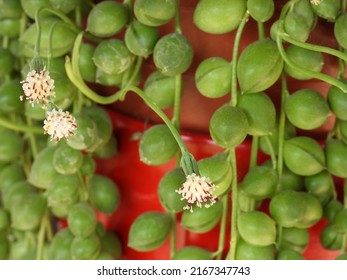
(202, 219)
(192, 253)
(257, 228)
(219, 16)
(62, 38)
(259, 66)
(304, 156)
(149, 231)
(336, 155)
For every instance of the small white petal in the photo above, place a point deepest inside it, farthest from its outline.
(197, 190)
(38, 87)
(59, 124)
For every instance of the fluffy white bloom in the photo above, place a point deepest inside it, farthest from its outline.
(38, 87)
(315, 2)
(197, 190)
(59, 124)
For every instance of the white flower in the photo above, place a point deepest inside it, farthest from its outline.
(37, 87)
(315, 2)
(197, 190)
(59, 124)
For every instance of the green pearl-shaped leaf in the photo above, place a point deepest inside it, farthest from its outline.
(219, 16)
(42, 171)
(260, 65)
(103, 193)
(107, 18)
(261, 10)
(213, 77)
(246, 251)
(320, 186)
(192, 253)
(168, 185)
(62, 38)
(59, 248)
(304, 156)
(161, 89)
(141, 39)
(336, 155)
(67, 160)
(218, 169)
(327, 9)
(27, 213)
(157, 145)
(337, 100)
(81, 219)
(257, 228)
(306, 59)
(340, 30)
(228, 126)
(295, 239)
(112, 56)
(85, 248)
(307, 109)
(154, 12)
(173, 54)
(330, 238)
(260, 111)
(149, 231)
(202, 219)
(260, 182)
(289, 255)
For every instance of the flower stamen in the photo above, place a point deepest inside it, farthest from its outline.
(37, 87)
(197, 191)
(59, 124)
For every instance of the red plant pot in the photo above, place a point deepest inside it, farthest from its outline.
(138, 185)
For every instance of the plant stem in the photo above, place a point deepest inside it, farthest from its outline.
(254, 152)
(41, 237)
(177, 102)
(231, 151)
(272, 151)
(20, 127)
(49, 47)
(74, 75)
(177, 18)
(261, 31)
(222, 229)
(78, 14)
(137, 68)
(341, 71)
(173, 235)
(66, 20)
(320, 76)
(234, 59)
(235, 206)
(83, 188)
(32, 139)
(279, 236)
(281, 129)
(4, 42)
(161, 114)
(312, 47)
(22, 28)
(48, 226)
(38, 33)
(80, 84)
